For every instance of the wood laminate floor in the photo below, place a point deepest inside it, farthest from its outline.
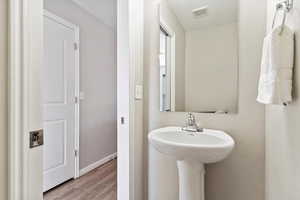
(99, 184)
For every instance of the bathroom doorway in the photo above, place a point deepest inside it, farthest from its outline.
(70, 90)
(26, 96)
(79, 96)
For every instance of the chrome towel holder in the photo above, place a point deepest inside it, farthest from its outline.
(286, 7)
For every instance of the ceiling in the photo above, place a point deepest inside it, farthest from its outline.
(219, 12)
(103, 10)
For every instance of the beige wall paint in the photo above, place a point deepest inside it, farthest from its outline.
(241, 176)
(211, 68)
(3, 99)
(98, 112)
(283, 129)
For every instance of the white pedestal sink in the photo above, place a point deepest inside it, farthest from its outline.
(192, 151)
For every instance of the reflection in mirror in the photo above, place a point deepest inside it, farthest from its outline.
(165, 87)
(198, 56)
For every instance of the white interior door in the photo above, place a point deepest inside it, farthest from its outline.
(59, 87)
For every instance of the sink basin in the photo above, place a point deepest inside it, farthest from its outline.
(208, 146)
(192, 150)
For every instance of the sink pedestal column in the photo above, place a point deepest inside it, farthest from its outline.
(191, 180)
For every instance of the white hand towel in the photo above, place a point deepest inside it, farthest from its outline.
(275, 83)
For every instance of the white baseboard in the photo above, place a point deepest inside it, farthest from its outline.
(97, 164)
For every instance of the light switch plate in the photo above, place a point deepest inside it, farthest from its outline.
(138, 92)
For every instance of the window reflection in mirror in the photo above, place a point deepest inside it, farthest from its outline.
(165, 81)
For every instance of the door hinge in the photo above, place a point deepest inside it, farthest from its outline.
(122, 120)
(75, 46)
(76, 153)
(76, 100)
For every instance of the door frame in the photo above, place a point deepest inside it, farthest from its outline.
(77, 84)
(18, 125)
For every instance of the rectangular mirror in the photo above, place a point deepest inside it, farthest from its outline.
(198, 56)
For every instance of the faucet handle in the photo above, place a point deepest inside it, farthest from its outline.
(191, 124)
(191, 119)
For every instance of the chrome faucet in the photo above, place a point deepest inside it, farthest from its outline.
(191, 125)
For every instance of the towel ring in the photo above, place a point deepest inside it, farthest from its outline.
(286, 6)
(283, 19)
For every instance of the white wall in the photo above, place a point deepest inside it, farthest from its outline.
(104, 10)
(283, 128)
(172, 22)
(211, 68)
(241, 176)
(98, 123)
(3, 99)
